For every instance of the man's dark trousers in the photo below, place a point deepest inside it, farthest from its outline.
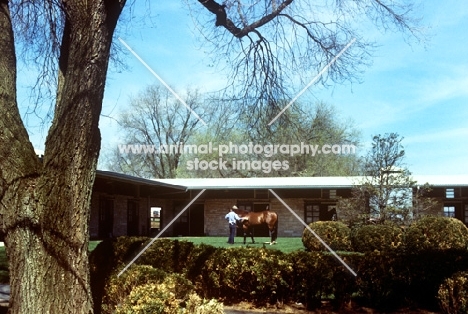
(232, 233)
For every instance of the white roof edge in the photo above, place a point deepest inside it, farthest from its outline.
(303, 182)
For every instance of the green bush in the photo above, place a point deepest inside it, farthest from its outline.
(105, 258)
(334, 233)
(257, 275)
(319, 275)
(453, 294)
(311, 278)
(428, 269)
(196, 262)
(386, 278)
(197, 305)
(436, 233)
(156, 296)
(368, 238)
(149, 299)
(383, 279)
(118, 288)
(167, 254)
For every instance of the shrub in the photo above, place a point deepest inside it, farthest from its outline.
(436, 233)
(104, 259)
(167, 254)
(237, 274)
(383, 279)
(149, 299)
(197, 305)
(334, 233)
(453, 294)
(311, 278)
(196, 262)
(368, 238)
(153, 297)
(177, 284)
(119, 288)
(428, 269)
(318, 275)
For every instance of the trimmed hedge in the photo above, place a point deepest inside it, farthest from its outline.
(383, 279)
(257, 275)
(317, 275)
(369, 238)
(436, 233)
(386, 279)
(167, 254)
(334, 233)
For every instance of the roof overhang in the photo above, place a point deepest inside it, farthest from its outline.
(125, 178)
(302, 182)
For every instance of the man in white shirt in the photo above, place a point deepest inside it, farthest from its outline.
(232, 219)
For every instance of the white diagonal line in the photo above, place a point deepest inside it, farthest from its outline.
(160, 232)
(313, 80)
(316, 235)
(161, 80)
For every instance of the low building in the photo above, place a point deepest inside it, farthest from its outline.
(121, 204)
(127, 205)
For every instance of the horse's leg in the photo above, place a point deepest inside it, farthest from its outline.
(275, 233)
(245, 236)
(251, 235)
(272, 235)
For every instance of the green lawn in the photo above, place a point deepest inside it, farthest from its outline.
(284, 244)
(92, 245)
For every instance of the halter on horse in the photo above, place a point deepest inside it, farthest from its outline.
(259, 218)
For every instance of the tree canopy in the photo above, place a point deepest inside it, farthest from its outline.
(163, 140)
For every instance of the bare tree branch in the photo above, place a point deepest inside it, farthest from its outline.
(273, 46)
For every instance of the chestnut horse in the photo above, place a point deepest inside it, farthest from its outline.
(259, 218)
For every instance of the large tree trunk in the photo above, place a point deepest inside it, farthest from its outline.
(45, 204)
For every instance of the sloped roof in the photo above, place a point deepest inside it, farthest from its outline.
(110, 175)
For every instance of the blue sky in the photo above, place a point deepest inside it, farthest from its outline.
(418, 91)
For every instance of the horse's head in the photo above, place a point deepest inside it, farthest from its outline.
(240, 212)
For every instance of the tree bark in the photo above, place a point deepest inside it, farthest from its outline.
(45, 204)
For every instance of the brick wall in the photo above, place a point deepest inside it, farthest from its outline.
(288, 225)
(120, 215)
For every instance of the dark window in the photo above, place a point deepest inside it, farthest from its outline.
(106, 217)
(466, 213)
(449, 211)
(311, 213)
(155, 217)
(247, 206)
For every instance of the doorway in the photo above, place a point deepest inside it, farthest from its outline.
(106, 218)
